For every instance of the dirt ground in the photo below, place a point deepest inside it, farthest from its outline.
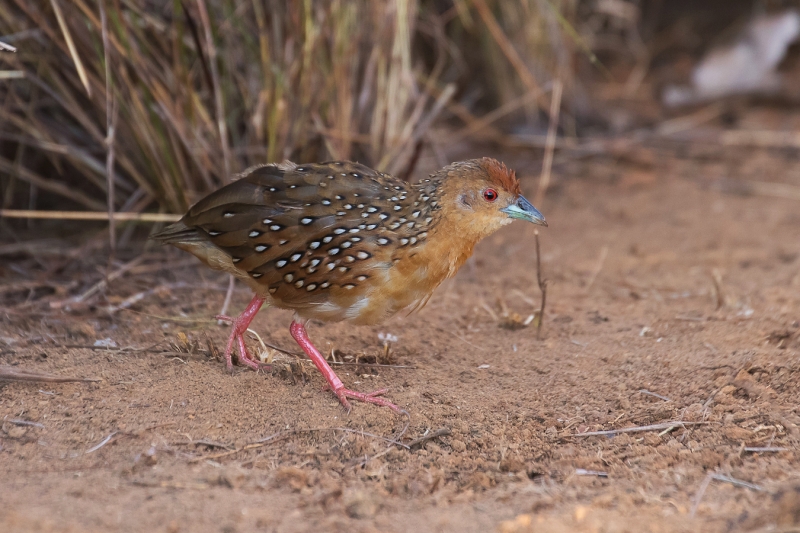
(673, 301)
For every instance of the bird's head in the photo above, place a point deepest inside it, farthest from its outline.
(483, 195)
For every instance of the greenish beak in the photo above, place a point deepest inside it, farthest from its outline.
(524, 210)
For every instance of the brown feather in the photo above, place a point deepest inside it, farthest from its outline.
(340, 241)
(501, 175)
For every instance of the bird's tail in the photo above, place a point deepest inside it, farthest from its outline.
(176, 233)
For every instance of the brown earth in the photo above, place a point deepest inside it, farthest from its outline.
(670, 299)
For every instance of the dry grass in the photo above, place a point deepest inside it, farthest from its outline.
(173, 97)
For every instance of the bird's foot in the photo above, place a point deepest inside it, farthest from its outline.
(239, 326)
(237, 337)
(298, 331)
(366, 397)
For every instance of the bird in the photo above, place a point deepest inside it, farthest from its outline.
(339, 241)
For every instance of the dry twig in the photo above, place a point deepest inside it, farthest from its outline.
(552, 131)
(443, 432)
(285, 434)
(645, 391)
(228, 296)
(765, 188)
(102, 443)
(583, 472)
(483, 126)
(111, 123)
(542, 285)
(508, 49)
(171, 485)
(20, 422)
(139, 296)
(71, 45)
(100, 285)
(598, 268)
(637, 429)
(10, 373)
(88, 215)
(760, 138)
(219, 100)
(718, 477)
(719, 295)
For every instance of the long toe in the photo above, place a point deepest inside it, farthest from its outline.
(244, 356)
(371, 397)
(343, 400)
(252, 363)
(229, 352)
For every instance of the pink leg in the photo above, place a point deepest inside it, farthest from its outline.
(298, 331)
(238, 327)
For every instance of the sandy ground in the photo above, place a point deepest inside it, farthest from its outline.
(672, 303)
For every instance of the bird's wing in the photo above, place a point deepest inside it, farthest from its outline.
(277, 219)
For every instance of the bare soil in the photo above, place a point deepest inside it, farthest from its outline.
(673, 300)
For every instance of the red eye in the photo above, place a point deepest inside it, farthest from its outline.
(490, 195)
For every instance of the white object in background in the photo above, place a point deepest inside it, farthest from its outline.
(746, 66)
